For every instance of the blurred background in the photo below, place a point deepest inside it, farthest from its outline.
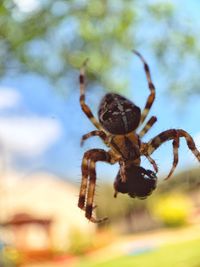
(42, 46)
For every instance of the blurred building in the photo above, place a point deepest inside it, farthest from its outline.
(40, 212)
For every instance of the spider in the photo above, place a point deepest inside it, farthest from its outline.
(118, 119)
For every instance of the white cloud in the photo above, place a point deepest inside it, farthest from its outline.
(28, 136)
(9, 98)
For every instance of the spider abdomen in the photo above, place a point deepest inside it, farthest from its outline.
(118, 115)
(140, 183)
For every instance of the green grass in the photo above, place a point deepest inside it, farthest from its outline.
(185, 254)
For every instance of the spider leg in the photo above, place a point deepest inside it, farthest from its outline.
(151, 97)
(84, 106)
(147, 126)
(90, 194)
(175, 152)
(152, 161)
(123, 171)
(87, 189)
(174, 135)
(84, 182)
(101, 134)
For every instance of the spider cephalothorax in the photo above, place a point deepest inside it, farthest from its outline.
(118, 121)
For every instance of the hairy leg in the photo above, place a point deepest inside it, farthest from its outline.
(151, 97)
(147, 126)
(101, 134)
(87, 189)
(84, 106)
(84, 181)
(175, 153)
(172, 134)
(152, 161)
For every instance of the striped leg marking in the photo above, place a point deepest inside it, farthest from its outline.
(175, 152)
(90, 194)
(151, 97)
(174, 135)
(152, 161)
(101, 134)
(87, 189)
(147, 126)
(84, 106)
(84, 182)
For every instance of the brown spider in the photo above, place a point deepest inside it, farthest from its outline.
(118, 120)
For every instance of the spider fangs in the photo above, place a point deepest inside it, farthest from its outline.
(118, 120)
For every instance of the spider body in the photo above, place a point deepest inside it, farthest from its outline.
(118, 115)
(118, 121)
(126, 146)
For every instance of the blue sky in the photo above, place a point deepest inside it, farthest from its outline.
(40, 130)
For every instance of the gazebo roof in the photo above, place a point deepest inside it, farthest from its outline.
(24, 218)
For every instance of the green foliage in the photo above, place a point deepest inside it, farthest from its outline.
(65, 33)
(185, 182)
(177, 50)
(172, 209)
(55, 37)
(9, 257)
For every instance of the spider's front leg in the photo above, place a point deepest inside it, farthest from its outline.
(84, 106)
(87, 189)
(172, 134)
(151, 86)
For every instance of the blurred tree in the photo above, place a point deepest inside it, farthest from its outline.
(52, 38)
(186, 181)
(124, 208)
(172, 209)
